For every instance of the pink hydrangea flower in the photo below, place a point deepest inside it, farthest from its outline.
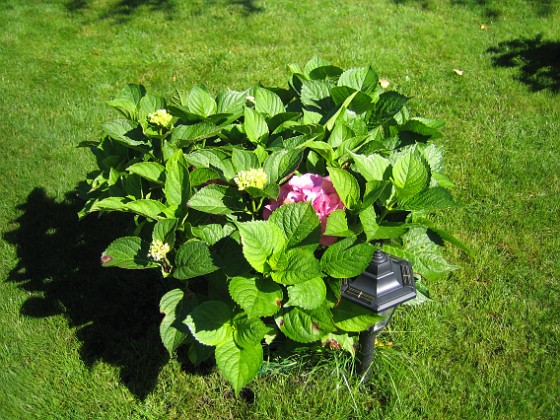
(318, 190)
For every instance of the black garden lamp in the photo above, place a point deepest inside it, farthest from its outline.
(387, 282)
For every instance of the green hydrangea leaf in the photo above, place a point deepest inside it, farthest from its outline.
(428, 200)
(299, 222)
(200, 102)
(127, 133)
(164, 231)
(239, 365)
(177, 184)
(307, 295)
(337, 225)
(128, 252)
(231, 102)
(217, 199)
(257, 296)
(255, 126)
(212, 232)
(422, 126)
(281, 163)
(352, 317)
(314, 63)
(176, 307)
(152, 209)
(260, 239)
(426, 257)
(305, 326)
(183, 135)
(346, 258)
(346, 186)
(199, 353)
(268, 103)
(210, 322)
(244, 160)
(248, 332)
(193, 259)
(388, 105)
(152, 171)
(364, 79)
(151, 103)
(295, 265)
(411, 174)
(371, 167)
(128, 99)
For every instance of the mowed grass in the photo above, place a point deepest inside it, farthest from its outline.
(77, 341)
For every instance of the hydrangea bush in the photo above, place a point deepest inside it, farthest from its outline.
(260, 201)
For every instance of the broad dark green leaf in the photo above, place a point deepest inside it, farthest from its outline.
(337, 225)
(371, 167)
(164, 231)
(210, 322)
(152, 209)
(422, 126)
(260, 239)
(346, 186)
(295, 265)
(183, 135)
(200, 102)
(316, 62)
(346, 258)
(364, 79)
(255, 126)
(300, 224)
(426, 257)
(316, 94)
(248, 332)
(352, 317)
(388, 105)
(152, 171)
(256, 295)
(307, 295)
(193, 259)
(126, 133)
(177, 187)
(231, 102)
(212, 232)
(239, 365)
(411, 174)
(243, 160)
(281, 163)
(428, 200)
(176, 307)
(128, 252)
(217, 199)
(305, 326)
(128, 99)
(151, 103)
(268, 103)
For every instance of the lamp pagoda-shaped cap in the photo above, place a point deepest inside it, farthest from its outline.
(386, 283)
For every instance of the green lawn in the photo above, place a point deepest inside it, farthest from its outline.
(78, 341)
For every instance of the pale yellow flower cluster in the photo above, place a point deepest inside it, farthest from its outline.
(158, 250)
(160, 117)
(255, 178)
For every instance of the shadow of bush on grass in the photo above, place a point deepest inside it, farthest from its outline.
(538, 61)
(115, 312)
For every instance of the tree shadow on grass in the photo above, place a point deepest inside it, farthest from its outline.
(115, 312)
(123, 10)
(538, 61)
(489, 8)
